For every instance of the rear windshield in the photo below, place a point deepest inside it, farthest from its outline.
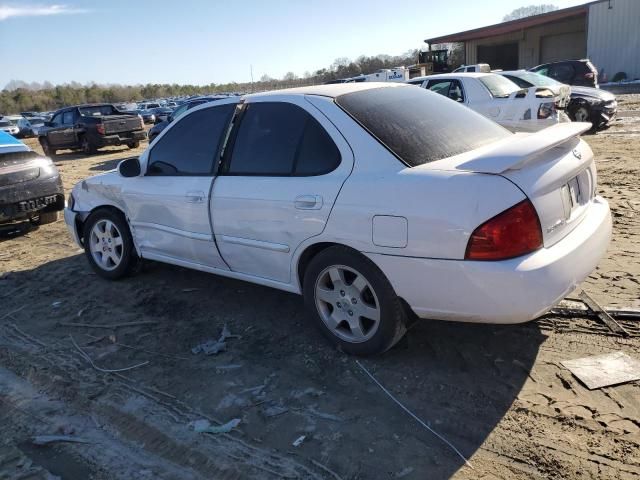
(417, 125)
(536, 79)
(498, 85)
(98, 111)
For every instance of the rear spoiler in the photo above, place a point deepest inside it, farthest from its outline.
(520, 149)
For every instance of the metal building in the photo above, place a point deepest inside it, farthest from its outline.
(605, 31)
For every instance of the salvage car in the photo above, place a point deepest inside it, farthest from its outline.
(9, 125)
(30, 186)
(526, 79)
(90, 127)
(571, 72)
(29, 126)
(501, 100)
(585, 104)
(378, 202)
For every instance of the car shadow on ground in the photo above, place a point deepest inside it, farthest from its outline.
(281, 377)
(17, 229)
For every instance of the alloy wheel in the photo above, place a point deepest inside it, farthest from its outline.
(106, 245)
(347, 303)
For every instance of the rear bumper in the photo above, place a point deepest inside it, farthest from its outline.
(509, 291)
(121, 138)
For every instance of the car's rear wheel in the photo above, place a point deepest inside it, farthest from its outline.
(46, 148)
(88, 148)
(108, 244)
(352, 301)
(132, 145)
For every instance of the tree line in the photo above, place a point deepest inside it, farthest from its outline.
(19, 96)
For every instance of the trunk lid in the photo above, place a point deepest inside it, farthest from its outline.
(553, 168)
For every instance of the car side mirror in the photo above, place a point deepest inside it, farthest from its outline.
(129, 167)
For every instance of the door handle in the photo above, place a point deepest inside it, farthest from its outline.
(308, 202)
(195, 197)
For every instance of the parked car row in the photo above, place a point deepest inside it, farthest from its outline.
(522, 100)
(377, 202)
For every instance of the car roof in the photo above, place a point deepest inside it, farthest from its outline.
(453, 75)
(330, 90)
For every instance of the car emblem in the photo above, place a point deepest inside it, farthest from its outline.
(577, 154)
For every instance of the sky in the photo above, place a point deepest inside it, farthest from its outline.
(209, 41)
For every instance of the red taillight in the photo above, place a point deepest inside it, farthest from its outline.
(509, 234)
(100, 128)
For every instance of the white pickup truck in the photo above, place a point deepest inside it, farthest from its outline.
(496, 97)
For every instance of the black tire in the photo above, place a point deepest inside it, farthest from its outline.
(133, 145)
(129, 257)
(87, 146)
(46, 148)
(392, 324)
(582, 113)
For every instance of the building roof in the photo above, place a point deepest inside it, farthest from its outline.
(514, 25)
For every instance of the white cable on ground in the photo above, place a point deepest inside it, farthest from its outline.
(415, 417)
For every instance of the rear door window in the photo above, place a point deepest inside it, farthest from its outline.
(191, 145)
(56, 121)
(281, 139)
(562, 72)
(418, 126)
(69, 117)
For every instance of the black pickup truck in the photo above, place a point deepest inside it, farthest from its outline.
(89, 127)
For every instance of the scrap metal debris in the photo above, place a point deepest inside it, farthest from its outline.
(604, 370)
(298, 441)
(213, 347)
(204, 426)
(47, 439)
(86, 356)
(603, 315)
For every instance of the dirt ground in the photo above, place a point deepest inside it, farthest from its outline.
(497, 393)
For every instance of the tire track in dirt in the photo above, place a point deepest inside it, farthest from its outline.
(162, 433)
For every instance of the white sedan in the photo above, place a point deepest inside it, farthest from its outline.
(498, 98)
(378, 202)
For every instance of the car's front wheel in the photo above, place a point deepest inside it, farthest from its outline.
(352, 301)
(132, 145)
(108, 244)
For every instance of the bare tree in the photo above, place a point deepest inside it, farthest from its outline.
(529, 11)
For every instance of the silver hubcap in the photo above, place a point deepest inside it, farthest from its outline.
(581, 115)
(106, 245)
(347, 304)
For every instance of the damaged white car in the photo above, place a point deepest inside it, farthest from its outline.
(378, 202)
(500, 99)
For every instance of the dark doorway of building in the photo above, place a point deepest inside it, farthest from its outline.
(499, 56)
